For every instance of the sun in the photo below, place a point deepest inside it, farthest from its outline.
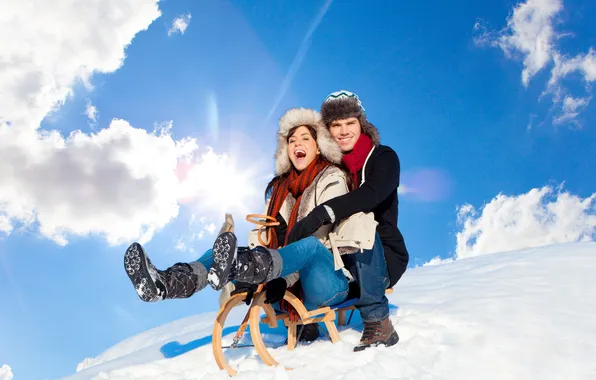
(215, 184)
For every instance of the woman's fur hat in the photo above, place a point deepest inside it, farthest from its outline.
(345, 104)
(303, 116)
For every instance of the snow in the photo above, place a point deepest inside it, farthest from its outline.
(526, 314)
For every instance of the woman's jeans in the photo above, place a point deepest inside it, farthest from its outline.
(322, 285)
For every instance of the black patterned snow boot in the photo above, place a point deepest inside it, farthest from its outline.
(257, 265)
(253, 266)
(181, 280)
(224, 260)
(147, 280)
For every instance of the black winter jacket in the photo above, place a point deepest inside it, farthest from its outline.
(378, 194)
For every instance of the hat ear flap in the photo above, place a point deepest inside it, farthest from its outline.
(327, 145)
(282, 161)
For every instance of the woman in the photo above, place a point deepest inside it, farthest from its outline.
(308, 173)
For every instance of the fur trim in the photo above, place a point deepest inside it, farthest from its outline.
(311, 191)
(343, 108)
(303, 116)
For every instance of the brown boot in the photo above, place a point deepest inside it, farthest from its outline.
(376, 333)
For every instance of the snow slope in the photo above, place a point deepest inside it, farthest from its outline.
(528, 314)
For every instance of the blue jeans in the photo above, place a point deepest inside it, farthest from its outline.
(369, 269)
(321, 283)
(207, 259)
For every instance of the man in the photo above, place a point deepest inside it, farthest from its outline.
(376, 171)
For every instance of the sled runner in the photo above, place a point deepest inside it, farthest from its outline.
(253, 319)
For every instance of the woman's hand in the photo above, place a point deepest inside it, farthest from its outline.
(242, 287)
(275, 289)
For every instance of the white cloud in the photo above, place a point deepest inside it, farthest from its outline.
(179, 24)
(5, 372)
(199, 228)
(584, 63)
(120, 182)
(539, 217)
(91, 111)
(571, 108)
(181, 245)
(437, 260)
(210, 228)
(5, 224)
(45, 51)
(530, 34)
(530, 31)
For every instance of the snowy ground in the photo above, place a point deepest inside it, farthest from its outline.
(529, 314)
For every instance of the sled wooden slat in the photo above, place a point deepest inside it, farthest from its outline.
(292, 332)
(278, 317)
(330, 317)
(322, 310)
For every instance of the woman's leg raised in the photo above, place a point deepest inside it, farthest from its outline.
(321, 283)
(181, 280)
(308, 256)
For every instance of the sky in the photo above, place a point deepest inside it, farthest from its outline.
(146, 121)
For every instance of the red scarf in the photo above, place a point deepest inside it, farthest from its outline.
(356, 158)
(295, 183)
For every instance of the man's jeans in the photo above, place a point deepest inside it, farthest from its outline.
(369, 269)
(321, 283)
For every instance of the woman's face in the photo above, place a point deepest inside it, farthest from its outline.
(302, 148)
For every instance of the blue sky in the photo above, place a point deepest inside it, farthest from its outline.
(441, 81)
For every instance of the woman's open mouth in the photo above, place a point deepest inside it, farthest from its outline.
(300, 153)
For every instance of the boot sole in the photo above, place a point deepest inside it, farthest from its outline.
(136, 266)
(224, 255)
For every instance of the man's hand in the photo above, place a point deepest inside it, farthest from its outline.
(245, 287)
(275, 289)
(309, 224)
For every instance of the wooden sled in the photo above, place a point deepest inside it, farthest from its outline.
(252, 319)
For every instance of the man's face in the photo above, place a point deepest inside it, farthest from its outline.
(346, 132)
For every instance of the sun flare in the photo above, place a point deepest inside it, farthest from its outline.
(217, 184)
